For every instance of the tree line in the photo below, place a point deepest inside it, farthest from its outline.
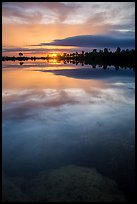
(105, 56)
(118, 57)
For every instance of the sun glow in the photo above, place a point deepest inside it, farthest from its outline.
(54, 55)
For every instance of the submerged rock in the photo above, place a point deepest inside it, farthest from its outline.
(73, 184)
(11, 193)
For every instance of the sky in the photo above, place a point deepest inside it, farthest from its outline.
(44, 27)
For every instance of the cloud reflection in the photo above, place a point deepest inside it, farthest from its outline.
(29, 102)
(86, 73)
(51, 120)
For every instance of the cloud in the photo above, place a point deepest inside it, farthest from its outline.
(34, 22)
(13, 13)
(16, 50)
(42, 12)
(19, 49)
(92, 41)
(68, 12)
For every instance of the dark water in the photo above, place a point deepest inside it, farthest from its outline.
(62, 123)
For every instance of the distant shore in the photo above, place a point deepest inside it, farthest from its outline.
(118, 57)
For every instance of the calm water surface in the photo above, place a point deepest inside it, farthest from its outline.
(58, 116)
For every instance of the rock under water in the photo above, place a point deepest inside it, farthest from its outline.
(73, 184)
(11, 192)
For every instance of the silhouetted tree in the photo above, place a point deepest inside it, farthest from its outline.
(83, 52)
(64, 54)
(104, 66)
(76, 54)
(94, 66)
(20, 54)
(105, 50)
(118, 50)
(117, 67)
(21, 63)
(103, 57)
(94, 50)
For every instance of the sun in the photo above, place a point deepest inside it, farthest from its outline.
(54, 55)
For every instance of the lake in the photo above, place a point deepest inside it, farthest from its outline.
(68, 132)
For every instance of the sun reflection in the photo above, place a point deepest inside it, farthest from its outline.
(40, 80)
(53, 61)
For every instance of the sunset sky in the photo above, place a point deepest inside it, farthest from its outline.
(43, 27)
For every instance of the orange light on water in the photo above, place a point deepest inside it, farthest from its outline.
(53, 61)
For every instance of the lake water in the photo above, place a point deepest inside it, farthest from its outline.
(64, 126)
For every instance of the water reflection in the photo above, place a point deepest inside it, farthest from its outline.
(21, 63)
(87, 73)
(60, 117)
(57, 62)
